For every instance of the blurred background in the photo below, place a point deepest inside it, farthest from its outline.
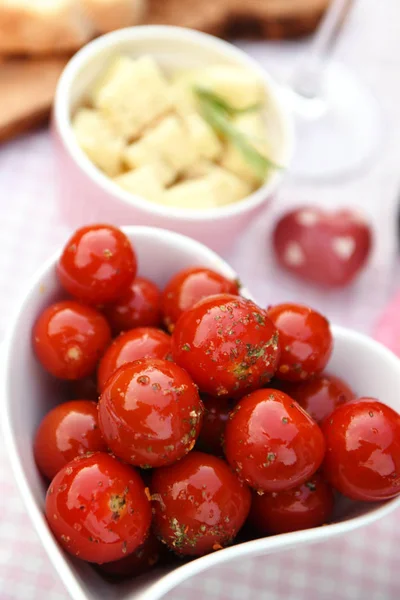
(353, 57)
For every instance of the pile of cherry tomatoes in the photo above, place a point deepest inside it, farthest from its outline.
(213, 414)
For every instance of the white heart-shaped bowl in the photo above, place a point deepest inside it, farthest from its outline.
(28, 393)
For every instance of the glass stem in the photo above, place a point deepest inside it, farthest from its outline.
(308, 75)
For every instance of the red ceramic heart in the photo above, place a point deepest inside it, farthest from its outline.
(326, 248)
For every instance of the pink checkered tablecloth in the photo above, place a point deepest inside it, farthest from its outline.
(363, 565)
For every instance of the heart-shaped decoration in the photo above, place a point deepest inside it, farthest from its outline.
(326, 248)
(368, 368)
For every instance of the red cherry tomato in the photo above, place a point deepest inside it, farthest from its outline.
(271, 442)
(318, 396)
(150, 413)
(143, 342)
(140, 561)
(227, 344)
(67, 431)
(97, 265)
(363, 450)
(140, 306)
(199, 505)
(188, 287)
(214, 421)
(305, 339)
(326, 248)
(307, 505)
(98, 509)
(69, 338)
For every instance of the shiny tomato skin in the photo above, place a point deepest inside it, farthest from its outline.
(363, 450)
(69, 430)
(305, 339)
(216, 414)
(271, 442)
(227, 344)
(150, 413)
(69, 338)
(188, 287)
(307, 505)
(140, 306)
(320, 395)
(98, 264)
(98, 508)
(199, 505)
(140, 561)
(143, 342)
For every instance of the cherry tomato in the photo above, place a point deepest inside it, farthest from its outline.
(143, 342)
(305, 339)
(140, 306)
(150, 413)
(67, 431)
(188, 287)
(271, 442)
(214, 421)
(227, 344)
(319, 396)
(199, 505)
(363, 450)
(307, 505)
(140, 561)
(69, 338)
(326, 248)
(98, 508)
(97, 265)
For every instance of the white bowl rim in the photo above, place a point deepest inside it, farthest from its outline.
(168, 32)
(172, 578)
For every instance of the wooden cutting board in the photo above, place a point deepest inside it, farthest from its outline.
(27, 86)
(272, 19)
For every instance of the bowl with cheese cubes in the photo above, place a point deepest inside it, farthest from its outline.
(169, 127)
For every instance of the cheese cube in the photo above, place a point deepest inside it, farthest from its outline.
(182, 99)
(207, 143)
(217, 188)
(240, 87)
(132, 94)
(142, 182)
(200, 168)
(98, 140)
(168, 141)
(227, 187)
(193, 194)
(254, 128)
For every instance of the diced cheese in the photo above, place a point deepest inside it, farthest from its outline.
(200, 168)
(182, 99)
(217, 188)
(253, 127)
(204, 138)
(227, 187)
(238, 86)
(168, 141)
(132, 94)
(98, 140)
(142, 182)
(192, 194)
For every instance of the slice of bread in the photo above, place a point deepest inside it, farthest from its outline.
(49, 26)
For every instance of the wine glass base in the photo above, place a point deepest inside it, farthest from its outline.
(337, 134)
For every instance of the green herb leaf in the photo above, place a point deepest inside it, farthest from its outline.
(217, 112)
(220, 103)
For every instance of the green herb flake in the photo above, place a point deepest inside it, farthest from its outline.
(311, 486)
(186, 348)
